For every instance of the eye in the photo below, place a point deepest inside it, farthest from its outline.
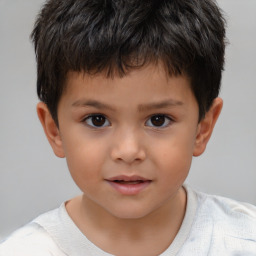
(97, 121)
(159, 121)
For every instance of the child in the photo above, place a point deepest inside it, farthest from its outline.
(129, 94)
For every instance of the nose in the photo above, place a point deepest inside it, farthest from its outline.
(128, 148)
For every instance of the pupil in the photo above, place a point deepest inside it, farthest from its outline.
(98, 120)
(158, 120)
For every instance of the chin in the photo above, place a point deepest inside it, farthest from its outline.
(129, 212)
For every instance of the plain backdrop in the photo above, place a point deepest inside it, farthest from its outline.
(33, 180)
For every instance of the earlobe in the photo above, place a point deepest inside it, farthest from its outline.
(205, 127)
(50, 128)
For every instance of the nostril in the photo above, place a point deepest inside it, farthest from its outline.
(127, 147)
(128, 155)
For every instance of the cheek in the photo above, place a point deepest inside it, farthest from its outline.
(85, 160)
(173, 172)
(175, 167)
(174, 157)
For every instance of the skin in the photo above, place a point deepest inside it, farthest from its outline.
(128, 143)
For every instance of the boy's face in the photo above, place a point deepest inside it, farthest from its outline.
(128, 141)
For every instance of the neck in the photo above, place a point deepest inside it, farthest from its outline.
(113, 234)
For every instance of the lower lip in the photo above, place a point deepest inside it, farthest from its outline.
(129, 189)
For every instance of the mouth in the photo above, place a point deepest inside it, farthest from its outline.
(128, 182)
(129, 185)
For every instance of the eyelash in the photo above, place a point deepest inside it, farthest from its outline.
(88, 120)
(167, 121)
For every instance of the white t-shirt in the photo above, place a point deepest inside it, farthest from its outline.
(212, 226)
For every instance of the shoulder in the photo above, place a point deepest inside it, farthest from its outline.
(30, 240)
(226, 209)
(231, 225)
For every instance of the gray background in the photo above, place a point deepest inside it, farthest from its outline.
(33, 180)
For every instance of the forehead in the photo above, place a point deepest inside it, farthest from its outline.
(147, 84)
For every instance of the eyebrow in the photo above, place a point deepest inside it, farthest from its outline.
(141, 107)
(92, 103)
(161, 104)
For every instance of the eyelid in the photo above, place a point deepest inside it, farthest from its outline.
(170, 121)
(93, 126)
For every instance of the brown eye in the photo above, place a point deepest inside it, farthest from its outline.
(97, 121)
(158, 121)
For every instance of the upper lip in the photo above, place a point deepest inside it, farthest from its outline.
(127, 178)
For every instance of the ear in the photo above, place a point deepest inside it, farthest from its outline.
(50, 128)
(205, 127)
